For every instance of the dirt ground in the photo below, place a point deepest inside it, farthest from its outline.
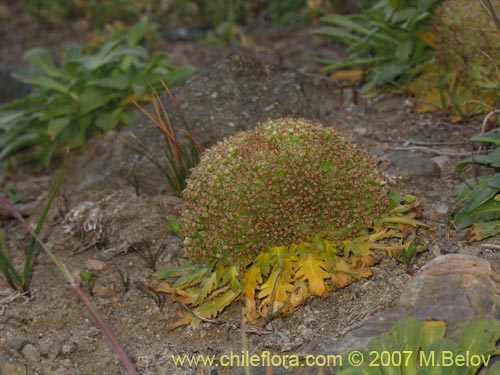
(61, 336)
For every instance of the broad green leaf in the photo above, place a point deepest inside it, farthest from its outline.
(56, 126)
(405, 15)
(345, 22)
(409, 333)
(490, 137)
(42, 59)
(489, 210)
(495, 369)
(387, 73)
(463, 190)
(93, 98)
(40, 80)
(479, 337)
(8, 117)
(404, 51)
(137, 32)
(386, 342)
(119, 82)
(337, 34)
(109, 119)
(178, 75)
(437, 358)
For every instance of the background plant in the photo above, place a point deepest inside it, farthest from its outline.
(408, 335)
(17, 280)
(388, 41)
(179, 156)
(98, 12)
(478, 198)
(89, 94)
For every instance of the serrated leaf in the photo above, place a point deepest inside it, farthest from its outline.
(312, 270)
(252, 279)
(213, 307)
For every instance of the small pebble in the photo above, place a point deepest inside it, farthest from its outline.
(17, 343)
(360, 130)
(31, 353)
(50, 346)
(95, 265)
(104, 291)
(68, 347)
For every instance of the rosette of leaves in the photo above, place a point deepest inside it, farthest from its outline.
(478, 198)
(280, 213)
(88, 94)
(387, 41)
(413, 347)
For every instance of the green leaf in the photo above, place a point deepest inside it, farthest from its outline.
(338, 34)
(137, 32)
(434, 354)
(489, 210)
(490, 137)
(405, 15)
(8, 117)
(387, 73)
(345, 22)
(409, 333)
(495, 369)
(42, 81)
(93, 98)
(56, 126)
(178, 75)
(42, 59)
(119, 82)
(479, 337)
(404, 51)
(109, 119)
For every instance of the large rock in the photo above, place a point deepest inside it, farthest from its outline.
(233, 95)
(454, 288)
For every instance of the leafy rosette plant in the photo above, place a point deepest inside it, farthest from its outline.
(278, 214)
(90, 93)
(478, 198)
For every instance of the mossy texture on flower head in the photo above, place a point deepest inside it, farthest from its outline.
(285, 181)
